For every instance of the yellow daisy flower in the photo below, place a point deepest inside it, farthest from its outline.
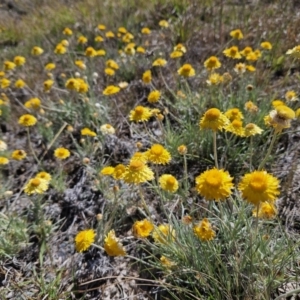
(60, 49)
(251, 107)
(163, 23)
(234, 114)
(157, 154)
(67, 31)
(62, 153)
(36, 186)
(109, 71)
(203, 230)
(44, 175)
(212, 63)
(9, 65)
(266, 210)
(4, 160)
(101, 27)
(280, 118)
(27, 120)
(90, 52)
(48, 85)
(112, 64)
(18, 154)
(137, 172)
(176, 54)
(141, 156)
(252, 129)
(99, 39)
(236, 127)
(4, 82)
(142, 229)
(186, 71)
(19, 60)
(141, 50)
(112, 245)
(140, 114)
(145, 30)
(214, 184)
(80, 64)
(111, 89)
(168, 183)
(163, 234)
(237, 34)
(107, 171)
(50, 66)
(240, 68)
(109, 34)
(250, 68)
(259, 186)
(166, 262)
(213, 119)
(291, 96)
(154, 96)
(37, 51)
(180, 47)
(20, 84)
(214, 79)
(3, 146)
(119, 171)
(266, 45)
(159, 62)
(247, 50)
(88, 132)
(84, 239)
(82, 40)
(33, 103)
(232, 52)
(147, 77)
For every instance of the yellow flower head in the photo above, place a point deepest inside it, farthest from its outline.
(203, 230)
(48, 85)
(72, 84)
(266, 45)
(186, 70)
(60, 49)
(83, 86)
(3, 146)
(164, 233)
(251, 107)
(247, 50)
(295, 52)
(252, 56)
(4, 160)
(137, 172)
(154, 96)
(157, 154)
(101, 27)
(112, 245)
(86, 131)
(50, 66)
(84, 239)
(109, 71)
(236, 127)
(252, 129)
(176, 54)
(107, 129)
(166, 262)
(182, 149)
(277, 102)
(180, 47)
(36, 186)
(67, 31)
(291, 96)
(141, 156)
(142, 229)
(234, 114)
(240, 68)
(159, 62)
(140, 49)
(214, 184)
(259, 186)
(80, 64)
(37, 51)
(62, 153)
(109, 34)
(122, 30)
(112, 64)
(237, 34)
(9, 65)
(100, 52)
(90, 52)
(163, 23)
(250, 68)
(44, 175)
(27, 120)
(280, 118)
(213, 119)
(266, 210)
(119, 172)
(107, 171)
(214, 79)
(99, 39)
(232, 52)
(212, 63)
(111, 90)
(140, 114)
(145, 30)
(20, 83)
(33, 103)
(19, 60)
(82, 40)
(168, 183)
(18, 154)
(147, 77)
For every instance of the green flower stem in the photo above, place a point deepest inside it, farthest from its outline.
(144, 202)
(185, 175)
(251, 152)
(31, 149)
(262, 164)
(215, 149)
